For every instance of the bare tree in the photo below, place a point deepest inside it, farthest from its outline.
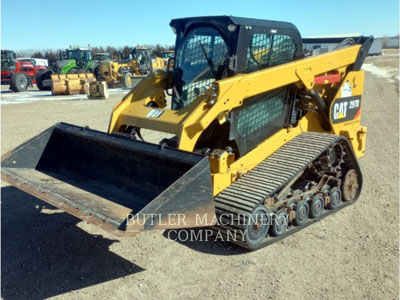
(158, 49)
(37, 54)
(51, 56)
(95, 50)
(126, 51)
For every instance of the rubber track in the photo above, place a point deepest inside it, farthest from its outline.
(248, 192)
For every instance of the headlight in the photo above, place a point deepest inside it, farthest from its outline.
(231, 27)
(174, 29)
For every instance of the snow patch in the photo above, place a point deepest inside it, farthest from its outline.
(388, 73)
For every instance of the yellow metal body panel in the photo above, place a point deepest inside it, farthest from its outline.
(352, 129)
(169, 53)
(158, 63)
(227, 94)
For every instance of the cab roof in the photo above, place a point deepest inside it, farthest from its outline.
(181, 24)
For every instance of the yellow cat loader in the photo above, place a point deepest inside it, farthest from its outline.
(265, 142)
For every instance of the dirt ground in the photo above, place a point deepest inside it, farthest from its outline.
(351, 255)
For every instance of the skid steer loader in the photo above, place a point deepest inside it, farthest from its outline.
(265, 141)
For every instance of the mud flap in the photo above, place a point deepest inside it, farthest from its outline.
(116, 183)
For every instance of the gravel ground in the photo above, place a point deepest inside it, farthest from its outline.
(351, 255)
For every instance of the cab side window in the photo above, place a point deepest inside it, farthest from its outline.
(268, 50)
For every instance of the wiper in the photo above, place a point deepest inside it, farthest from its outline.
(209, 61)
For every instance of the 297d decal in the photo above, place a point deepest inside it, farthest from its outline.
(345, 109)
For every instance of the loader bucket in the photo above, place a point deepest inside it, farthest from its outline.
(70, 84)
(119, 184)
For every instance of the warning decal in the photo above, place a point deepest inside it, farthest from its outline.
(346, 90)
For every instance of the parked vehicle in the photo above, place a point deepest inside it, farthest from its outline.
(76, 61)
(166, 55)
(376, 48)
(122, 72)
(19, 74)
(101, 56)
(37, 61)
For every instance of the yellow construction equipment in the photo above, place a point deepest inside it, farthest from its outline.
(166, 55)
(157, 63)
(118, 73)
(97, 90)
(265, 143)
(70, 84)
(101, 56)
(122, 72)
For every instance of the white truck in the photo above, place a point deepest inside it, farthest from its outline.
(36, 61)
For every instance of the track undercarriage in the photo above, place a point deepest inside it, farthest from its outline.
(312, 176)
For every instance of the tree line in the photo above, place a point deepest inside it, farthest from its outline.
(120, 52)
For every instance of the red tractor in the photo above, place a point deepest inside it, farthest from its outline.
(19, 75)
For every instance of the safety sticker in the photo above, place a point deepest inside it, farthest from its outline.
(346, 90)
(155, 113)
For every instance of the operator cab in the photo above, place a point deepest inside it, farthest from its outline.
(213, 48)
(8, 60)
(79, 55)
(143, 57)
(102, 56)
(166, 54)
